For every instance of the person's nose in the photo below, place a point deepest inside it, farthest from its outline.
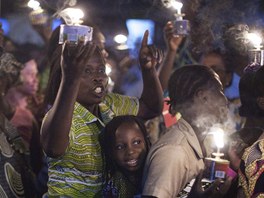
(130, 150)
(98, 78)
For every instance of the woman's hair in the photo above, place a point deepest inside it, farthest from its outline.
(251, 86)
(185, 82)
(107, 140)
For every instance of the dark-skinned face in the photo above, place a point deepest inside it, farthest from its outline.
(94, 81)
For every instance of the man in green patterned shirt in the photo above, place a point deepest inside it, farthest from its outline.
(80, 109)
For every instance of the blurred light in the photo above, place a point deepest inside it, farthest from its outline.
(219, 137)
(72, 16)
(35, 5)
(5, 26)
(136, 29)
(120, 38)
(122, 47)
(55, 23)
(255, 39)
(108, 68)
(177, 5)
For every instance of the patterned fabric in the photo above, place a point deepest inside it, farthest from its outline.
(120, 187)
(79, 172)
(12, 164)
(10, 67)
(251, 173)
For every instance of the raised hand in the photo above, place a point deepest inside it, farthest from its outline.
(74, 58)
(216, 190)
(149, 55)
(172, 41)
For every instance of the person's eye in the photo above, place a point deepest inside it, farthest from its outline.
(102, 71)
(137, 142)
(87, 71)
(119, 147)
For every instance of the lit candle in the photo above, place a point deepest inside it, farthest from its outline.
(219, 141)
(178, 6)
(255, 39)
(73, 31)
(72, 16)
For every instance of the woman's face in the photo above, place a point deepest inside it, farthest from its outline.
(29, 78)
(217, 63)
(129, 150)
(94, 81)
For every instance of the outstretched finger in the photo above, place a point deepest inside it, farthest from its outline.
(145, 39)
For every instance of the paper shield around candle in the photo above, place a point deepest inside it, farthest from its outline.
(75, 33)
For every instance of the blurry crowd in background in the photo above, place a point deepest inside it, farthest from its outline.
(31, 84)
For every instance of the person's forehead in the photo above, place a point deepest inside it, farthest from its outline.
(213, 60)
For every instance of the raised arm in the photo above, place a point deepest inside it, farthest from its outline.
(151, 100)
(172, 42)
(57, 123)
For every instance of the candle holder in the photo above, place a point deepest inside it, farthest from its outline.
(256, 56)
(181, 27)
(75, 33)
(216, 167)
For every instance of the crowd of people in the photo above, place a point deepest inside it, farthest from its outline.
(77, 138)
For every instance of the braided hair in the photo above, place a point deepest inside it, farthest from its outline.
(107, 139)
(184, 84)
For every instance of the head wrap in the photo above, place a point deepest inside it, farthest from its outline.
(10, 68)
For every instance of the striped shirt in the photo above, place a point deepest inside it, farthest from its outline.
(78, 173)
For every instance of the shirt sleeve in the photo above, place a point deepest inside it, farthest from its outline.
(166, 172)
(122, 105)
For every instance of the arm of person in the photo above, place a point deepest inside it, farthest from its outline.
(166, 172)
(172, 42)
(57, 123)
(6, 108)
(151, 100)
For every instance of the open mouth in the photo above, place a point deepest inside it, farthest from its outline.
(98, 90)
(132, 162)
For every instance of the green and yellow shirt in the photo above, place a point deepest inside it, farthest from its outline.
(78, 173)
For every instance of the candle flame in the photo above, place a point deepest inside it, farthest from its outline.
(72, 16)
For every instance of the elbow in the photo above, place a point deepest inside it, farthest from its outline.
(147, 112)
(52, 149)
(53, 153)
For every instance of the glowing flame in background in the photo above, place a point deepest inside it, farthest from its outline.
(219, 23)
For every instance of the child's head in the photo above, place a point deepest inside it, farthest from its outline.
(125, 144)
